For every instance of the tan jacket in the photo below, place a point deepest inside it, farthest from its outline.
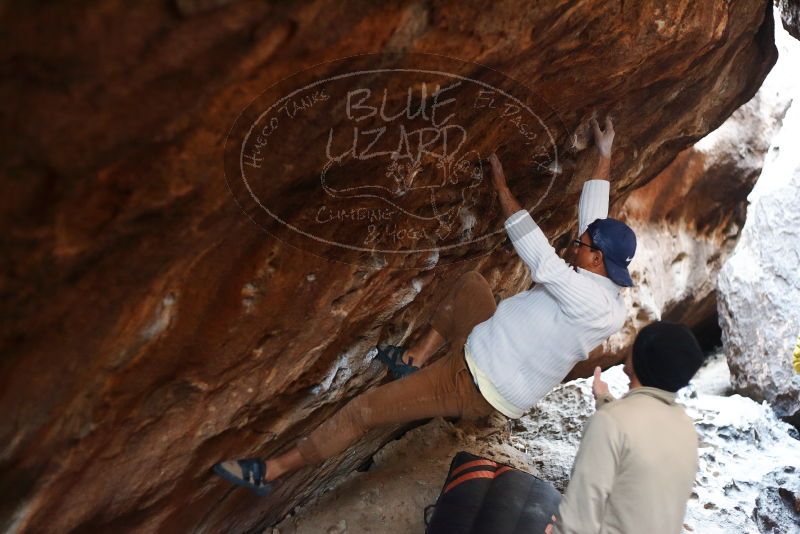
(634, 469)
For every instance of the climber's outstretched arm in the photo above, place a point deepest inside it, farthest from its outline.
(594, 196)
(575, 293)
(603, 139)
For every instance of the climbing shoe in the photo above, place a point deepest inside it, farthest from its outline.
(249, 473)
(392, 356)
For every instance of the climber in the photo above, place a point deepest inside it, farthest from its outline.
(637, 461)
(502, 357)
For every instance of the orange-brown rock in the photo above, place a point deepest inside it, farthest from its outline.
(150, 329)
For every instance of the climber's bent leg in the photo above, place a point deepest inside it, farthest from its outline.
(468, 303)
(285, 463)
(422, 350)
(445, 388)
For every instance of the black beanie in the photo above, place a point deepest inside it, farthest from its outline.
(666, 356)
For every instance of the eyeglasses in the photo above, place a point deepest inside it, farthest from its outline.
(579, 243)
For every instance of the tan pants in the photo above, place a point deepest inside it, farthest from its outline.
(444, 388)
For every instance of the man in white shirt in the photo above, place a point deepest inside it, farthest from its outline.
(533, 339)
(502, 357)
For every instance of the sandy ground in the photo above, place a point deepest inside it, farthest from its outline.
(406, 477)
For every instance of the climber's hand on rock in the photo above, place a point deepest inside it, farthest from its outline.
(599, 388)
(498, 176)
(603, 139)
(508, 203)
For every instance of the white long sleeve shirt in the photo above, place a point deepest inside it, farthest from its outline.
(537, 336)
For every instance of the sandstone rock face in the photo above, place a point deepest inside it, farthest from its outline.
(790, 15)
(689, 217)
(778, 504)
(759, 286)
(743, 446)
(150, 329)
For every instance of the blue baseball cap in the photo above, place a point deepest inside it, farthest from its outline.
(618, 243)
